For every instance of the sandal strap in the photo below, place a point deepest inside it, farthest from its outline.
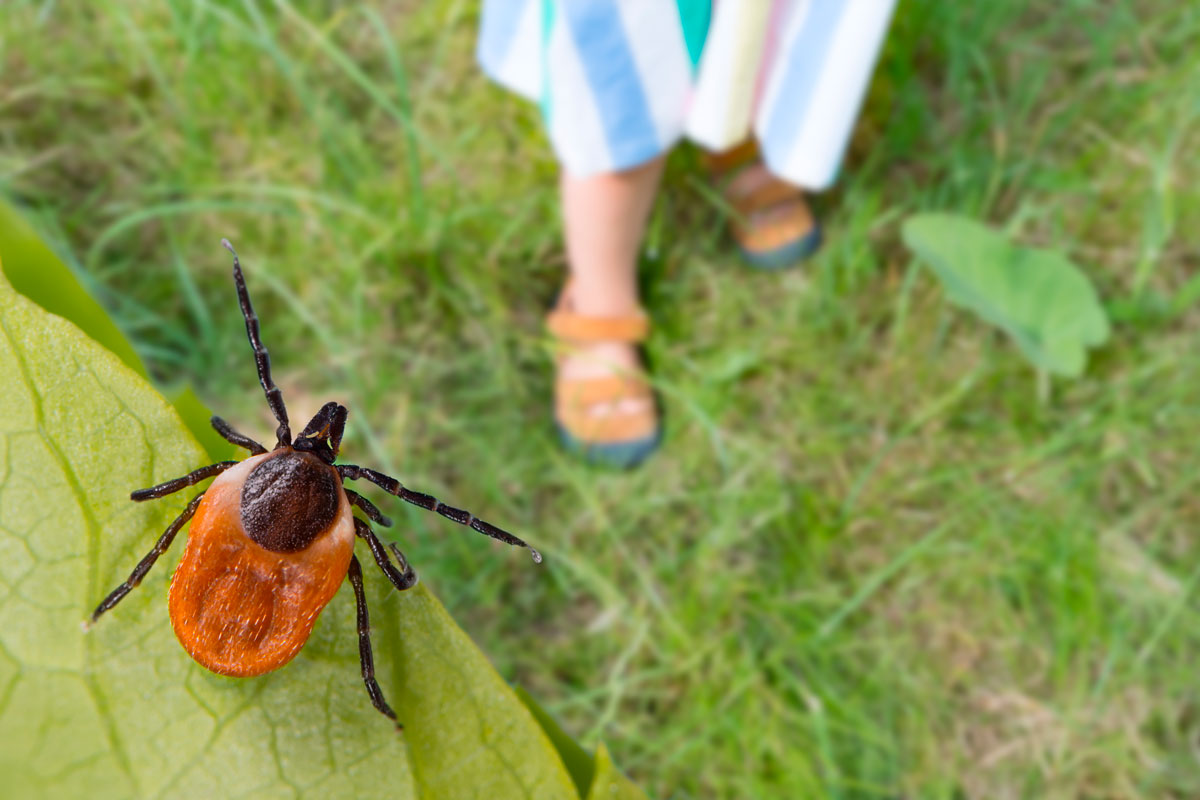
(776, 227)
(727, 161)
(727, 166)
(575, 399)
(610, 429)
(583, 392)
(767, 194)
(580, 328)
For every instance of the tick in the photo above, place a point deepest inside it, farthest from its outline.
(272, 539)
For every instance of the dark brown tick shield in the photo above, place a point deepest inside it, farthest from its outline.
(272, 539)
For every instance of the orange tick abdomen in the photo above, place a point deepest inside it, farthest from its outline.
(240, 609)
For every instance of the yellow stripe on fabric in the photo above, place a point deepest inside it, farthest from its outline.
(724, 95)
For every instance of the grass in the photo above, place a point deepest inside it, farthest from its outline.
(868, 562)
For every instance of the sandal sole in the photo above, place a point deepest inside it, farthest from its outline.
(622, 455)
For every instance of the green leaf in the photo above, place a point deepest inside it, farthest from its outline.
(609, 783)
(121, 711)
(468, 734)
(1041, 299)
(598, 778)
(36, 272)
(575, 758)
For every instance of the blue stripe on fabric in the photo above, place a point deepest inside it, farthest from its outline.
(808, 53)
(497, 29)
(612, 75)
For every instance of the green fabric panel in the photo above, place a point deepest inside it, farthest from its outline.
(548, 11)
(694, 16)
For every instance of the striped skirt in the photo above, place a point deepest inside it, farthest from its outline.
(621, 81)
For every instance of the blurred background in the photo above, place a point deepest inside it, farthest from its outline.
(872, 559)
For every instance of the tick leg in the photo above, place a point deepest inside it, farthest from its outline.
(364, 644)
(233, 437)
(431, 503)
(147, 562)
(368, 508)
(283, 434)
(170, 487)
(403, 578)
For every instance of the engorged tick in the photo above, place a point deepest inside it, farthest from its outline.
(272, 539)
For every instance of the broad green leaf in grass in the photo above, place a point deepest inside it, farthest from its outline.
(1042, 300)
(121, 711)
(36, 272)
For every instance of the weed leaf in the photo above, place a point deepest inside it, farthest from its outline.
(1041, 299)
(468, 733)
(78, 430)
(594, 778)
(608, 782)
(574, 757)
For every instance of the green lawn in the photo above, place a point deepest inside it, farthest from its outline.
(869, 561)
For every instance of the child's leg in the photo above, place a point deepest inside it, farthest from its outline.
(604, 219)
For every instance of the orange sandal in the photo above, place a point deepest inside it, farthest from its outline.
(614, 439)
(774, 227)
